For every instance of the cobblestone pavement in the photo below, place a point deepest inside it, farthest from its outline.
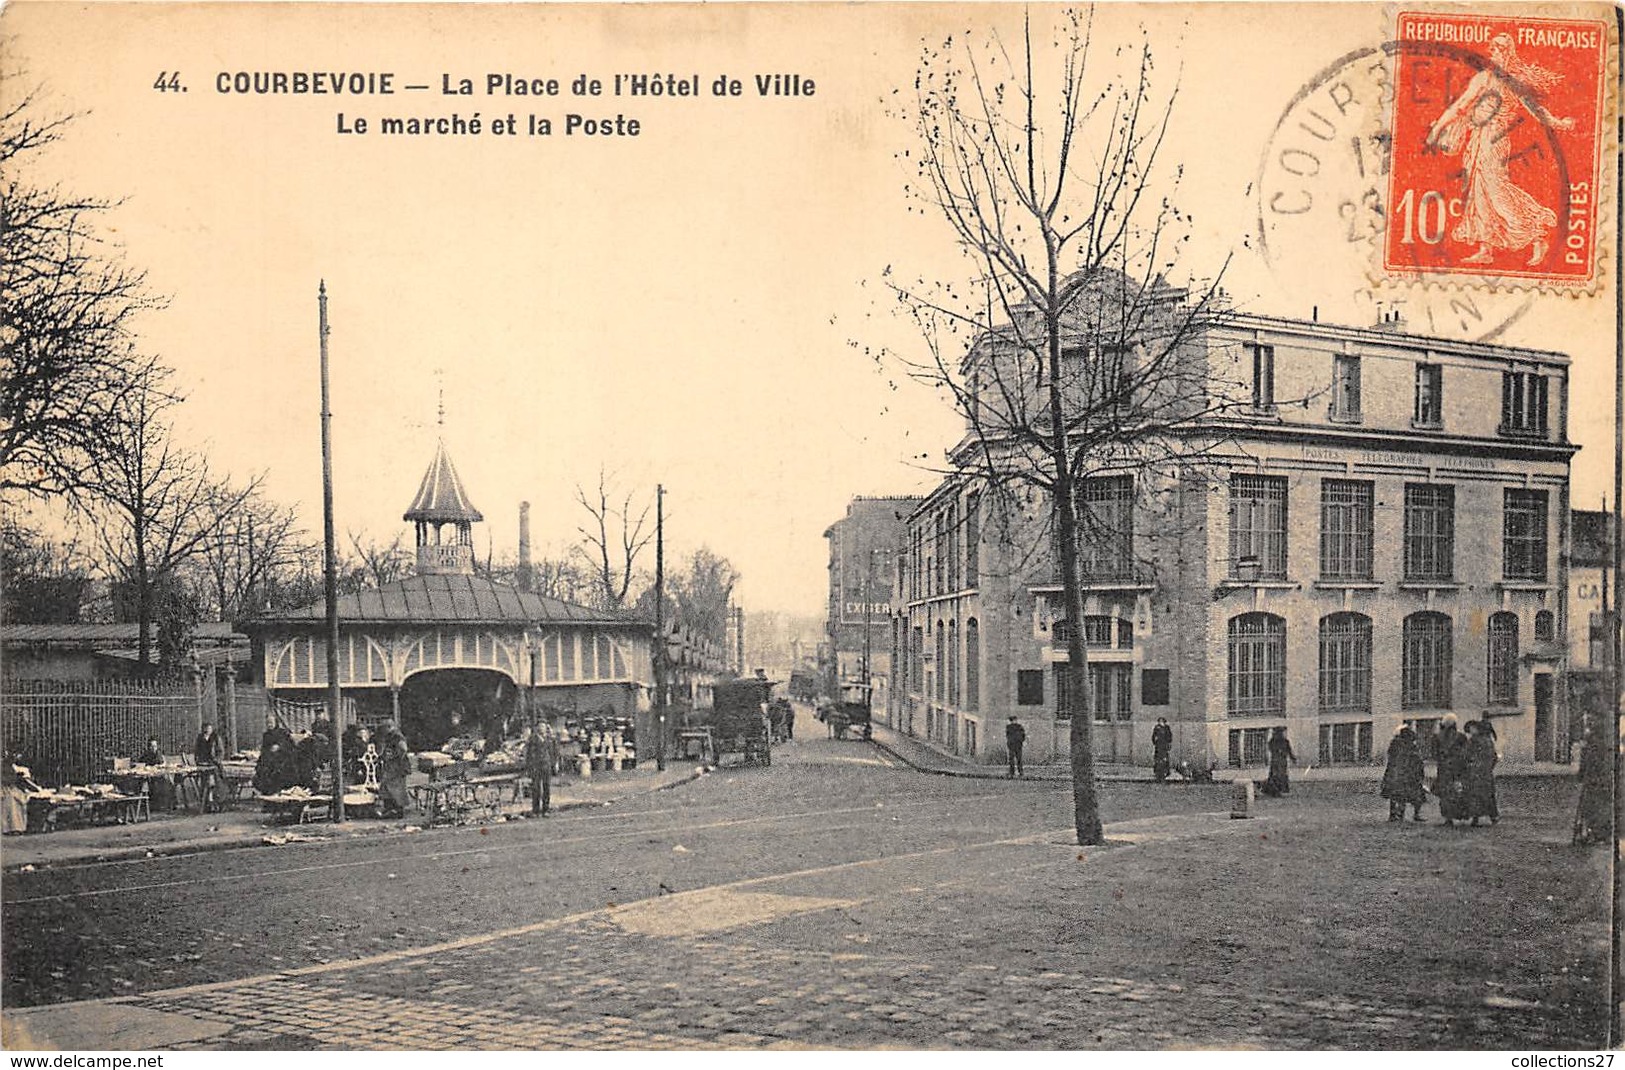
(769, 963)
(844, 931)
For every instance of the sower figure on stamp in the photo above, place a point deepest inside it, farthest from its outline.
(1495, 211)
(1015, 738)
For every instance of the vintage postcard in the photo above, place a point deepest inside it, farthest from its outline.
(800, 526)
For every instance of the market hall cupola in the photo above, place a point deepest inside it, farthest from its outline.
(441, 501)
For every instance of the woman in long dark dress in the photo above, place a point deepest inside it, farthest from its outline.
(1403, 782)
(1279, 781)
(396, 765)
(1479, 781)
(1448, 782)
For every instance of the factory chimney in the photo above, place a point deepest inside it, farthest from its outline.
(522, 577)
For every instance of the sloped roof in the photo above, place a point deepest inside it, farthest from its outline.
(452, 598)
(213, 631)
(441, 497)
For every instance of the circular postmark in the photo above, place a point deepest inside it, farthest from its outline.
(1338, 225)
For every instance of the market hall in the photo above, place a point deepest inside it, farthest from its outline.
(448, 655)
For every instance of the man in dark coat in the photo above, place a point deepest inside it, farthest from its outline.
(1448, 782)
(1162, 744)
(539, 768)
(1015, 738)
(1279, 782)
(1403, 781)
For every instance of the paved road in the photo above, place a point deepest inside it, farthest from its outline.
(833, 899)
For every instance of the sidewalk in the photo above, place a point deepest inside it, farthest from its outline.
(926, 757)
(247, 826)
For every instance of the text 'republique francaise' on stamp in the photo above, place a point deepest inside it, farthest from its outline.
(1497, 134)
(1388, 161)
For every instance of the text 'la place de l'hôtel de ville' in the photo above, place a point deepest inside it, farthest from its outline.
(386, 83)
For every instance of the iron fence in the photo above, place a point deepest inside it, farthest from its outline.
(67, 730)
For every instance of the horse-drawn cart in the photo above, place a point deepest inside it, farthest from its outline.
(739, 720)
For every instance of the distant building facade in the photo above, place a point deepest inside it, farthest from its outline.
(1592, 589)
(1378, 532)
(863, 548)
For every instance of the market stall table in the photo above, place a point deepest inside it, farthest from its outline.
(454, 801)
(696, 743)
(239, 775)
(48, 810)
(297, 807)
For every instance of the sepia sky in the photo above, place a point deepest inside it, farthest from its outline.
(677, 307)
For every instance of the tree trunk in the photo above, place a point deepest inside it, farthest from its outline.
(1080, 748)
(1085, 802)
(143, 601)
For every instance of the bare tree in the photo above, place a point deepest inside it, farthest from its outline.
(1068, 352)
(42, 580)
(66, 302)
(377, 563)
(703, 590)
(614, 534)
(254, 542)
(561, 578)
(151, 504)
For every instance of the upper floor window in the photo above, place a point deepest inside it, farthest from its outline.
(1345, 529)
(1345, 389)
(1523, 535)
(939, 572)
(1109, 378)
(954, 560)
(973, 540)
(1523, 404)
(1545, 626)
(1106, 528)
(1429, 396)
(1430, 531)
(1503, 660)
(1258, 527)
(1263, 362)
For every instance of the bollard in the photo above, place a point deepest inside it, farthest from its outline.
(583, 766)
(1241, 799)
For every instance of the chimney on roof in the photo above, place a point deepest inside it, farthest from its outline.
(522, 576)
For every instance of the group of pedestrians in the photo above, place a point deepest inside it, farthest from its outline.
(1464, 782)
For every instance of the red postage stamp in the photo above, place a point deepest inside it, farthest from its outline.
(1496, 127)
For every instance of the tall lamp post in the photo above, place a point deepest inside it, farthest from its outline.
(335, 699)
